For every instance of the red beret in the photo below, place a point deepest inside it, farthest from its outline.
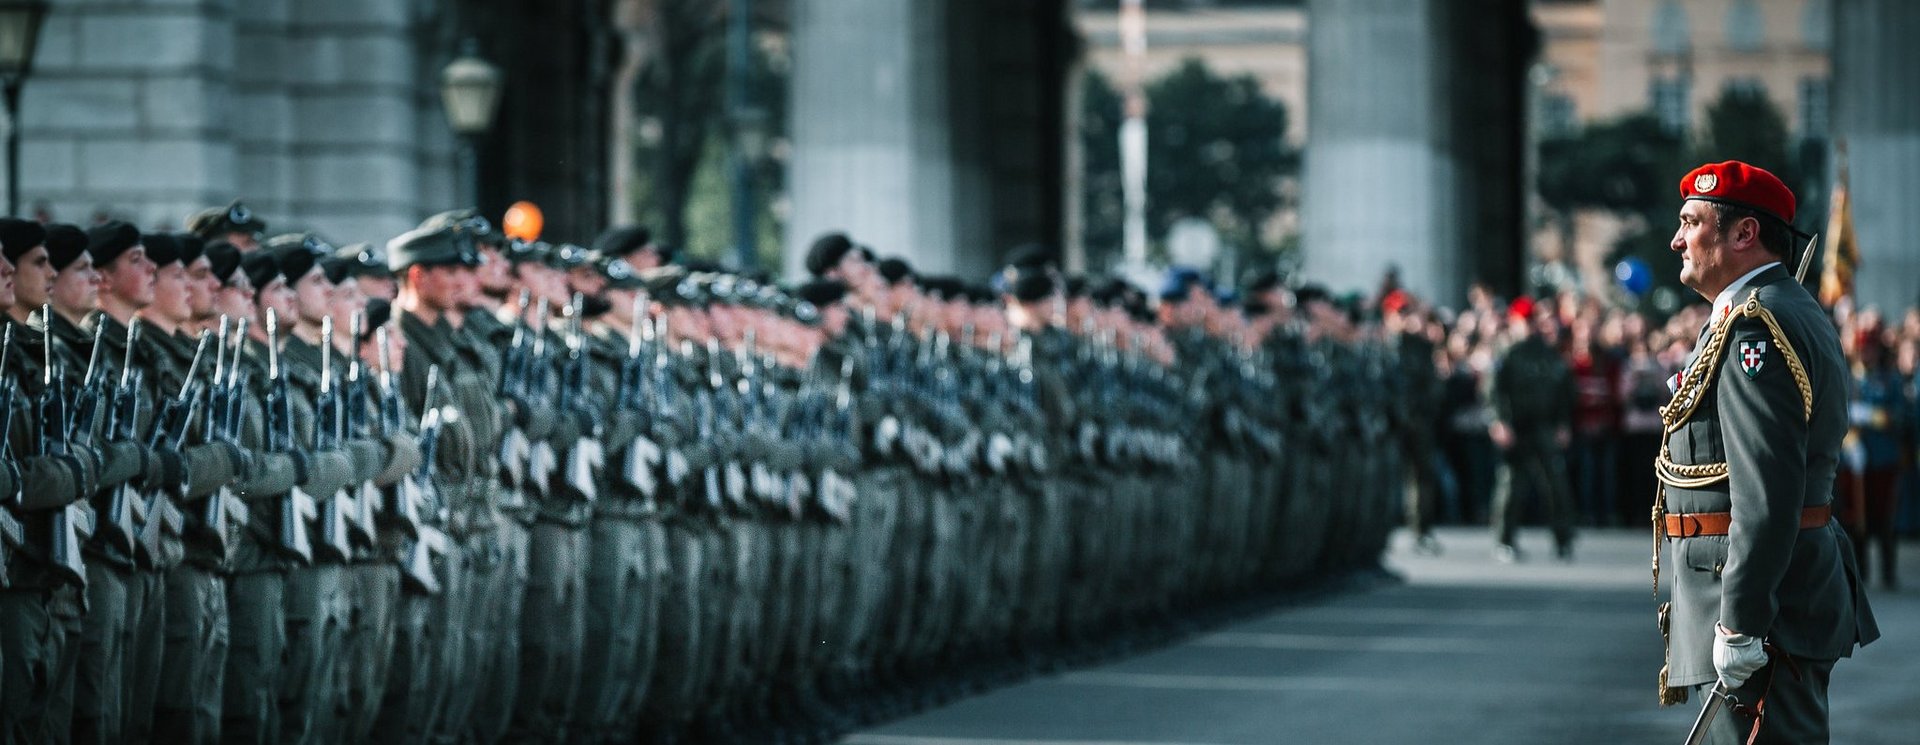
(1741, 185)
(1520, 308)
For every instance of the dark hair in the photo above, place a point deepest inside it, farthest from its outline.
(1775, 236)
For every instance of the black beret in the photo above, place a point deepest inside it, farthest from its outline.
(260, 268)
(1029, 283)
(895, 270)
(336, 268)
(980, 294)
(1077, 286)
(622, 240)
(821, 292)
(426, 247)
(1111, 292)
(18, 236)
(108, 240)
(223, 258)
(192, 247)
(65, 243)
(1262, 280)
(594, 306)
(214, 222)
(364, 260)
(162, 249)
(826, 252)
(942, 288)
(294, 260)
(1311, 293)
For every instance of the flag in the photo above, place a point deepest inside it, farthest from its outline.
(1843, 256)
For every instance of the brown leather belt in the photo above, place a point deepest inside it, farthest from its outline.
(1717, 523)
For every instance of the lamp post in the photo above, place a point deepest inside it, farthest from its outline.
(19, 34)
(470, 91)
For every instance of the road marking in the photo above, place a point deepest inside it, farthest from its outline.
(905, 740)
(1480, 691)
(1465, 616)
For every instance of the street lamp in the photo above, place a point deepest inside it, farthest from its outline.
(19, 34)
(470, 92)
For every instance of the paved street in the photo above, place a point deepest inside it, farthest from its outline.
(1467, 651)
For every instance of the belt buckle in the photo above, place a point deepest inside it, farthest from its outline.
(1690, 526)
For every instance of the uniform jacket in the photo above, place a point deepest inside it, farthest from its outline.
(1765, 395)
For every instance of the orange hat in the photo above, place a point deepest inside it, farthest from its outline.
(1742, 185)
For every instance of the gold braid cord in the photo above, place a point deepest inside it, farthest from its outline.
(1686, 400)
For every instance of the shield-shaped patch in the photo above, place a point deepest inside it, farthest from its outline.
(1753, 354)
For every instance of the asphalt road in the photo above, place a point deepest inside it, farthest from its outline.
(1466, 651)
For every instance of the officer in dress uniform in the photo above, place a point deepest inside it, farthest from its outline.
(1765, 593)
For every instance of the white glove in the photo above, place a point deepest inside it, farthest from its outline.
(1736, 656)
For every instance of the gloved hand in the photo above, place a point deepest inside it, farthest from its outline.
(1736, 656)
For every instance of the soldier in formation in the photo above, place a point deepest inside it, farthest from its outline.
(462, 488)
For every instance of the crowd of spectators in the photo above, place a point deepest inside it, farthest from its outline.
(1621, 361)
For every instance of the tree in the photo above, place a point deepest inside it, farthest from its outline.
(1216, 150)
(1743, 124)
(1627, 166)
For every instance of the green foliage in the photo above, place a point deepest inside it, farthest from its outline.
(1620, 165)
(1743, 124)
(1216, 150)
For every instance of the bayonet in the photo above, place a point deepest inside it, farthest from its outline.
(1806, 258)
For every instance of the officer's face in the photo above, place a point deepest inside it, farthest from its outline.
(201, 287)
(130, 278)
(76, 289)
(170, 294)
(1709, 250)
(32, 278)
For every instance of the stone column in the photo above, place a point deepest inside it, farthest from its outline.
(870, 133)
(1376, 177)
(1877, 115)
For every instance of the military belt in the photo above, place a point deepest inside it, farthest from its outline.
(1717, 523)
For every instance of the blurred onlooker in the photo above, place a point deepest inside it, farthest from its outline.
(1643, 390)
(1532, 402)
(1596, 423)
(1875, 449)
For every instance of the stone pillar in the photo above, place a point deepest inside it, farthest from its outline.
(1376, 176)
(1876, 114)
(869, 129)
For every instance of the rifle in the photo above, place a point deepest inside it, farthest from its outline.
(540, 458)
(297, 507)
(120, 526)
(72, 523)
(333, 508)
(86, 400)
(366, 500)
(11, 533)
(221, 509)
(588, 453)
(416, 492)
(169, 433)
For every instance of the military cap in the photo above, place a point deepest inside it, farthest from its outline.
(309, 242)
(895, 270)
(65, 243)
(821, 292)
(719, 287)
(620, 274)
(107, 241)
(566, 256)
(18, 236)
(261, 268)
(1179, 281)
(336, 268)
(162, 249)
(294, 260)
(364, 260)
(1077, 286)
(1262, 280)
(192, 247)
(468, 222)
(1741, 185)
(1312, 293)
(826, 253)
(663, 284)
(214, 222)
(521, 252)
(984, 294)
(223, 258)
(427, 247)
(1027, 283)
(942, 288)
(621, 240)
